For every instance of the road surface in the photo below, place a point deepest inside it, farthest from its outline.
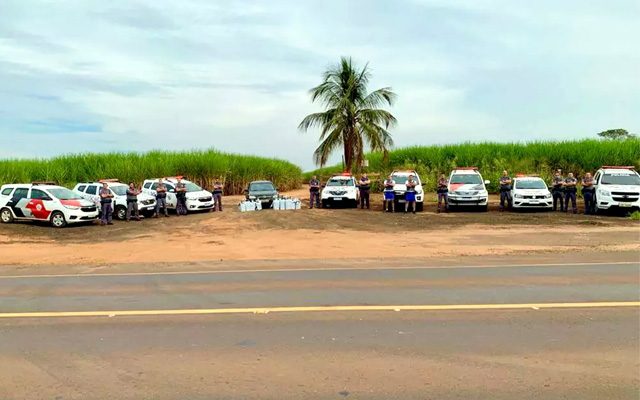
(493, 332)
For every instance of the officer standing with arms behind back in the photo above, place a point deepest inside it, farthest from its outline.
(388, 204)
(588, 190)
(570, 193)
(314, 192)
(443, 193)
(132, 202)
(181, 197)
(505, 190)
(106, 198)
(365, 186)
(218, 187)
(161, 199)
(557, 190)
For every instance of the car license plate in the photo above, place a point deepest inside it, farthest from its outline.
(401, 201)
(466, 198)
(150, 208)
(534, 202)
(624, 204)
(337, 198)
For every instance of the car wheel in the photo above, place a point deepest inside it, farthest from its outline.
(354, 204)
(325, 204)
(121, 213)
(6, 216)
(419, 206)
(57, 219)
(484, 208)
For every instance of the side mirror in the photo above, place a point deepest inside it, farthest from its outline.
(487, 182)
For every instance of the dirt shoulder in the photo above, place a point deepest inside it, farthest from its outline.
(345, 236)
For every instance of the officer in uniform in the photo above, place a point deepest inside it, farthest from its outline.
(389, 195)
(410, 195)
(365, 187)
(505, 190)
(161, 199)
(443, 193)
(557, 190)
(570, 193)
(106, 198)
(314, 192)
(132, 202)
(588, 190)
(217, 195)
(181, 197)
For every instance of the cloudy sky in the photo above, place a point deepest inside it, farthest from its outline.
(99, 75)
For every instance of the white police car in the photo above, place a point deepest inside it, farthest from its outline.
(340, 190)
(44, 202)
(91, 191)
(617, 187)
(531, 192)
(400, 179)
(467, 189)
(198, 199)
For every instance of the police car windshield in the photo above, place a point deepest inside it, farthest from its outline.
(340, 182)
(119, 190)
(530, 184)
(262, 187)
(64, 194)
(466, 179)
(402, 179)
(192, 187)
(620, 179)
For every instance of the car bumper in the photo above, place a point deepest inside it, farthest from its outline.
(196, 205)
(338, 199)
(400, 197)
(80, 216)
(467, 201)
(528, 203)
(607, 203)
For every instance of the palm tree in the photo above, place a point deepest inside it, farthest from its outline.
(352, 117)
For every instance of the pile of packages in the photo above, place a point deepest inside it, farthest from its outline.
(282, 203)
(249, 205)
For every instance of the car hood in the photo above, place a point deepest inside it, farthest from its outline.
(621, 188)
(262, 192)
(531, 191)
(466, 187)
(339, 188)
(198, 194)
(77, 203)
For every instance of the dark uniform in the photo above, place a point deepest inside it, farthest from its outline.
(161, 200)
(443, 193)
(588, 192)
(217, 196)
(132, 204)
(557, 190)
(106, 216)
(389, 194)
(365, 188)
(505, 192)
(570, 194)
(314, 193)
(181, 197)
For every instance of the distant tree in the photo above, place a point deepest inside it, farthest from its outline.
(616, 134)
(352, 117)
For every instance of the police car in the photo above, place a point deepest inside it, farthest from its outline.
(198, 199)
(531, 192)
(467, 189)
(44, 202)
(91, 191)
(400, 179)
(617, 187)
(340, 190)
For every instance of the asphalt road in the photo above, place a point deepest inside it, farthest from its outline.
(481, 333)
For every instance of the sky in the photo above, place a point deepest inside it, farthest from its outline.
(135, 75)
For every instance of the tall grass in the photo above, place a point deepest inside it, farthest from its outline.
(202, 167)
(540, 158)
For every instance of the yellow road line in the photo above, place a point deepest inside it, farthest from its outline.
(266, 310)
(319, 269)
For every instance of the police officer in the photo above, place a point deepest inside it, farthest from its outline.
(365, 187)
(410, 195)
(161, 199)
(106, 198)
(557, 190)
(570, 193)
(389, 195)
(217, 195)
(132, 202)
(181, 197)
(443, 193)
(314, 192)
(588, 190)
(505, 190)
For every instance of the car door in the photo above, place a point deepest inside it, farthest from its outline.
(40, 204)
(172, 200)
(18, 203)
(92, 194)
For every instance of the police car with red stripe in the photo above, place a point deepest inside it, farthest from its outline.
(44, 201)
(467, 189)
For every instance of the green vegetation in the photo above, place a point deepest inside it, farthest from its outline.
(352, 117)
(635, 216)
(492, 158)
(201, 167)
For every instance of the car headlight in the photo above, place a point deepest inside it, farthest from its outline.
(518, 196)
(547, 196)
(418, 191)
(603, 192)
(72, 207)
(275, 196)
(252, 197)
